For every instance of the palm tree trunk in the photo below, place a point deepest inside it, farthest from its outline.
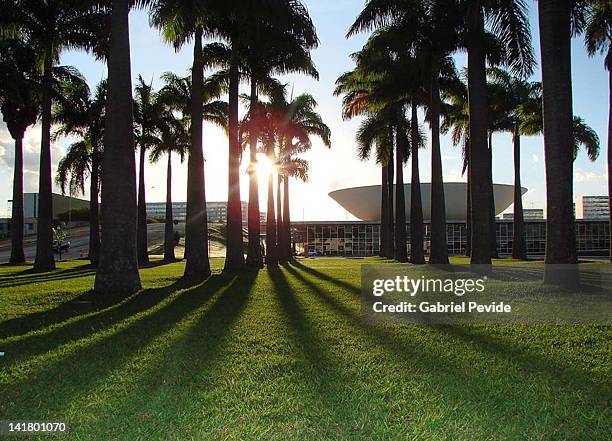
(555, 36)
(609, 58)
(401, 254)
(143, 248)
(384, 212)
(271, 249)
(254, 257)
(519, 246)
(169, 224)
(416, 205)
(17, 254)
(492, 224)
(468, 202)
(288, 254)
(390, 206)
(280, 244)
(118, 267)
(94, 209)
(439, 246)
(480, 191)
(234, 257)
(196, 223)
(44, 237)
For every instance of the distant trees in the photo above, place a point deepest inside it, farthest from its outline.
(49, 28)
(79, 114)
(20, 105)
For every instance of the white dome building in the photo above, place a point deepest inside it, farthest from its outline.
(364, 202)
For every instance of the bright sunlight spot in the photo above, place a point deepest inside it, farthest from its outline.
(264, 166)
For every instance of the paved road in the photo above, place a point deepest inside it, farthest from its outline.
(79, 243)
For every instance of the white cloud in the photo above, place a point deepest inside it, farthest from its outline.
(589, 176)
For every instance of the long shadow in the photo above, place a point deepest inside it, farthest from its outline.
(28, 278)
(101, 352)
(319, 275)
(560, 376)
(193, 356)
(94, 312)
(327, 383)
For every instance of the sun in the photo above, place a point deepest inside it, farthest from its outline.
(264, 166)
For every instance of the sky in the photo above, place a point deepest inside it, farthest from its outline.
(337, 167)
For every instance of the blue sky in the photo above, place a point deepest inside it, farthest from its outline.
(337, 167)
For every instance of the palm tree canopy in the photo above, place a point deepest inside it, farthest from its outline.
(598, 32)
(55, 26)
(79, 114)
(176, 94)
(19, 85)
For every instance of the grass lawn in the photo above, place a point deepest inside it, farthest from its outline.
(283, 354)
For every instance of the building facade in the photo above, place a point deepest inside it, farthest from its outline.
(359, 238)
(528, 214)
(216, 211)
(592, 207)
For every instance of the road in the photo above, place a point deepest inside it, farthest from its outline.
(79, 243)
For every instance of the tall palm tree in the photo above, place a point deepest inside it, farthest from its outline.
(555, 35)
(173, 138)
(356, 87)
(299, 122)
(182, 21)
(51, 27)
(516, 98)
(360, 98)
(175, 96)
(509, 26)
(272, 50)
(147, 111)
(118, 265)
(598, 38)
(20, 106)
(431, 26)
(292, 17)
(81, 115)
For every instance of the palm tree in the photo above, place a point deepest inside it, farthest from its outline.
(359, 89)
(515, 99)
(180, 22)
(510, 28)
(81, 115)
(173, 138)
(356, 86)
(20, 106)
(555, 35)
(176, 95)
(432, 27)
(272, 50)
(299, 122)
(598, 38)
(118, 267)
(147, 111)
(51, 27)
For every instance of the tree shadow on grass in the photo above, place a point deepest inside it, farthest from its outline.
(28, 277)
(187, 365)
(91, 312)
(329, 386)
(559, 377)
(56, 377)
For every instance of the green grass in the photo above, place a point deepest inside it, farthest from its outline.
(283, 354)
